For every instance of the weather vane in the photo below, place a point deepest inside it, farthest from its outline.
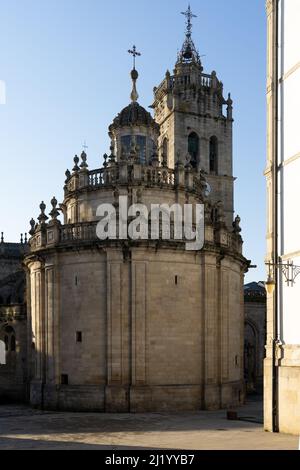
(135, 54)
(189, 15)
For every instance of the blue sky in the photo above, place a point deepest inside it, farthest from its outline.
(66, 69)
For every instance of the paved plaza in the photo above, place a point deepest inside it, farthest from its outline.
(24, 428)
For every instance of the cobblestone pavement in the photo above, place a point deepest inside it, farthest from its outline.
(24, 428)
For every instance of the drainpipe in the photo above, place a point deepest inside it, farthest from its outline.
(275, 420)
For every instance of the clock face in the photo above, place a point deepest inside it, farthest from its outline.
(208, 190)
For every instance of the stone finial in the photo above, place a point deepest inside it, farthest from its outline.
(54, 212)
(112, 158)
(154, 159)
(32, 230)
(84, 164)
(26, 239)
(188, 160)
(21, 239)
(68, 176)
(105, 157)
(134, 94)
(236, 225)
(229, 103)
(76, 167)
(42, 218)
(2, 237)
(214, 80)
(168, 78)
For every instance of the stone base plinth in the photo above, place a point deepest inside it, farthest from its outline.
(288, 391)
(136, 399)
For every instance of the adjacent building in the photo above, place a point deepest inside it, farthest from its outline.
(13, 322)
(282, 365)
(255, 336)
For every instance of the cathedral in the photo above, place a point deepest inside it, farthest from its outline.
(142, 325)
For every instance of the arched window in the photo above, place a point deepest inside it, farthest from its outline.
(193, 149)
(213, 155)
(165, 154)
(136, 143)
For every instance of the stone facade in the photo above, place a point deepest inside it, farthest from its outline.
(282, 364)
(255, 335)
(13, 322)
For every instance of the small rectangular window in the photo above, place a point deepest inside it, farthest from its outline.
(176, 280)
(64, 379)
(79, 336)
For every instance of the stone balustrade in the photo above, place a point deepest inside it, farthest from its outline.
(205, 80)
(49, 236)
(137, 174)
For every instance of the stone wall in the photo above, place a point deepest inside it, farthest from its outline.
(288, 394)
(160, 331)
(13, 374)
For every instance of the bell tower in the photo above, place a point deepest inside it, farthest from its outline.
(196, 121)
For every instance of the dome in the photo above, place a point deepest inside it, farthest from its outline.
(134, 115)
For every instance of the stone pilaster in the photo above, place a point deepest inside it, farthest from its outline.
(38, 330)
(211, 327)
(117, 393)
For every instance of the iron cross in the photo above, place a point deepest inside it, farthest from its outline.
(135, 54)
(189, 15)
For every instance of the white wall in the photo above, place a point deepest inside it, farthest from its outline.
(289, 156)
